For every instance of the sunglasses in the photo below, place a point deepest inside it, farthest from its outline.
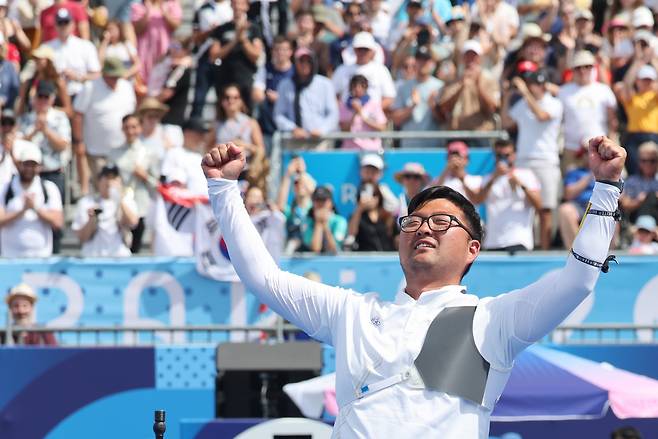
(43, 96)
(7, 123)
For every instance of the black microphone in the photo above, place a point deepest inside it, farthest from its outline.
(159, 426)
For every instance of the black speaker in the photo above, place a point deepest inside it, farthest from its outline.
(250, 377)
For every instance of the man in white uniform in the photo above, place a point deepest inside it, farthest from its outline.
(402, 371)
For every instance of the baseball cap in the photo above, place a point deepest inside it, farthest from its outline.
(647, 72)
(644, 35)
(8, 115)
(321, 193)
(646, 222)
(524, 67)
(63, 16)
(583, 58)
(416, 3)
(109, 171)
(21, 290)
(584, 14)
(364, 40)
(27, 151)
(113, 67)
(642, 17)
(196, 124)
(411, 168)
(373, 160)
(458, 147)
(303, 51)
(472, 46)
(456, 14)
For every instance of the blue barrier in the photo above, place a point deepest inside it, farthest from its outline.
(156, 291)
(340, 169)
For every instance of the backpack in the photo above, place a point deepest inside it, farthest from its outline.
(9, 194)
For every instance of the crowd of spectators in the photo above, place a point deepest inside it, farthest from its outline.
(116, 95)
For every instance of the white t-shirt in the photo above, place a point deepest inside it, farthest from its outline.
(510, 216)
(472, 181)
(28, 236)
(107, 240)
(585, 111)
(189, 163)
(165, 137)
(102, 109)
(380, 83)
(77, 55)
(538, 140)
(123, 51)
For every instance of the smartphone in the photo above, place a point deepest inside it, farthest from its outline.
(368, 191)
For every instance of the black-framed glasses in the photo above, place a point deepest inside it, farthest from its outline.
(439, 222)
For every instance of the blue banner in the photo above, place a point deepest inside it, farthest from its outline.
(340, 169)
(153, 291)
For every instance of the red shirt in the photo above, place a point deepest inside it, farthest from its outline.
(48, 25)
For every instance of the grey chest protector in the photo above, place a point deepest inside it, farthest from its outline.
(450, 362)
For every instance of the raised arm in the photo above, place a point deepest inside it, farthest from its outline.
(507, 324)
(312, 306)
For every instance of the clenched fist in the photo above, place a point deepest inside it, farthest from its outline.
(225, 160)
(606, 158)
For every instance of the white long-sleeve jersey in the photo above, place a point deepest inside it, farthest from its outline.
(376, 340)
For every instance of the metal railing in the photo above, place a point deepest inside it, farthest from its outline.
(152, 335)
(601, 333)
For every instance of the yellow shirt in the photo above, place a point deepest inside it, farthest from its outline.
(642, 112)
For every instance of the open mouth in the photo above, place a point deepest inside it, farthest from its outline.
(423, 244)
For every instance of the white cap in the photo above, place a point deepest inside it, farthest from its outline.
(364, 40)
(373, 160)
(647, 72)
(472, 46)
(26, 151)
(3, 3)
(646, 222)
(583, 58)
(584, 13)
(642, 17)
(644, 35)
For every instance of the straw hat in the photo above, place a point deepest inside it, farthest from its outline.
(44, 52)
(152, 104)
(21, 290)
(412, 168)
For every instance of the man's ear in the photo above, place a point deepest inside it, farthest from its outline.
(473, 250)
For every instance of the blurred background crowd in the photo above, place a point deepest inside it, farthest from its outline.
(107, 108)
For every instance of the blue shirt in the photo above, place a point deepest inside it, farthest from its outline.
(272, 79)
(318, 104)
(636, 184)
(572, 177)
(8, 84)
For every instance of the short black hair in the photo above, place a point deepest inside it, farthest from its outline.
(471, 215)
(436, 192)
(128, 117)
(359, 79)
(499, 143)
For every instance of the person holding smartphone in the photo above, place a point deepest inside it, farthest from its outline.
(371, 227)
(100, 220)
(511, 196)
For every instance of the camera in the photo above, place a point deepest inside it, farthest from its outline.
(98, 211)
